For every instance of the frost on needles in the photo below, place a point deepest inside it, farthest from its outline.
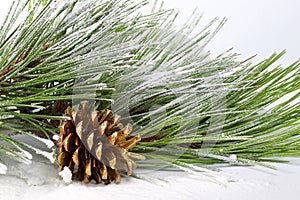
(190, 110)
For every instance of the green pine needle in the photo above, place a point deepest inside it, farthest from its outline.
(190, 109)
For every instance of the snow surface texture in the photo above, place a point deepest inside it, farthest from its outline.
(40, 180)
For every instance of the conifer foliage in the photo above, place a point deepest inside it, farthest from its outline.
(187, 108)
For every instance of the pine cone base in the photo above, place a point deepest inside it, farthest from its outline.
(94, 145)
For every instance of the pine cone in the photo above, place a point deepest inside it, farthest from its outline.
(94, 145)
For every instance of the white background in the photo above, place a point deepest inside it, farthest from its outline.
(254, 27)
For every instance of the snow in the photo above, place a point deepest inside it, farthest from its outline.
(26, 154)
(55, 137)
(24, 160)
(3, 169)
(49, 155)
(40, 146)
(40, 180)
(47, 142)
(66, 175)
(233, 157)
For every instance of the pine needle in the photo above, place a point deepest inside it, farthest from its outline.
(191, 109)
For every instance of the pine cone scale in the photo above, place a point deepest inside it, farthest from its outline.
(68, 142)
(90, 141)
(94, 145)
(75, 157)
(98, 151)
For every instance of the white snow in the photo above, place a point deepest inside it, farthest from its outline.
(39, 148)
(3, 169)
(24, 160)
(49, 155)
(47, 142)
(40, 180)
(233, 157)
(55, 137)
(26, 154)
(66, 175)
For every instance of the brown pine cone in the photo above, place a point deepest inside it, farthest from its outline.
(94, 145)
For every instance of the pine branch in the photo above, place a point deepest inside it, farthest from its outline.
(189, 108)
(43, 55)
